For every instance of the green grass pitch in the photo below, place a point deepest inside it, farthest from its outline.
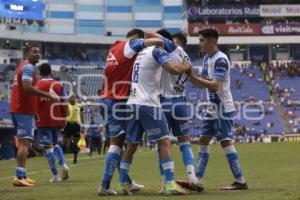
(271, 170)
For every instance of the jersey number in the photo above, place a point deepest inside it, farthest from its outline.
(136, 69)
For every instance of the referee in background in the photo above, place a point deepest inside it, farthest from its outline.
(72, 130)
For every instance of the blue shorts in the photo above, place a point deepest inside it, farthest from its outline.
(150, 120)
(24, 125)
(219, 127)
(48, 136)
(114, 114)
(177, 114)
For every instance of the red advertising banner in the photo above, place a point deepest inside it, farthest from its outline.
(227, 29)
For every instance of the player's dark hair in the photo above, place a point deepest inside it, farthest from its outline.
(138, 32)
(209, 33)
(27, 47)
(164, 33)
(45, 69)
(180, 36)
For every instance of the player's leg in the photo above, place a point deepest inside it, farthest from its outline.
(111, 163)
(46, 141)
(155, 125)
(75, 132)
(125, 165)
(59, 154)
(134, 136)
(91, 139)
(114, 130)
(226, 138)
(99, 144)
(207, 132)
(180, 129)
(24, 127)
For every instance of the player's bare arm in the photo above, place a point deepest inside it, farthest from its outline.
(28, 88)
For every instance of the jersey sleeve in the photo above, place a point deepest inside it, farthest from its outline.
(220, 68)
(160, 55)
(132, 47)
(204, 72)
(27, 73)
(169, 45)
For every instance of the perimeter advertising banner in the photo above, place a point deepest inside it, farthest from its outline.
(196, 12)
(281, 29)
(199, 11)
(227, 29)
(280, 10)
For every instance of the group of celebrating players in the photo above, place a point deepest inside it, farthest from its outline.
(143, 93)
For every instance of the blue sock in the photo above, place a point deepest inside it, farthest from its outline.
(233, 161)
(168, 168)
(59, 154)
(51, 160)
(20, 172)
(129, 181)
(202, 161)
(112, 161)
(188, 157)
(124, 169)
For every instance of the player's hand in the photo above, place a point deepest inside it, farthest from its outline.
(53, 96)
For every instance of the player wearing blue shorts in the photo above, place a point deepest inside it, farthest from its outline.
(22, 107)
(218, 121)
(146, 115)
(114, 95)
(176, 108)
(50, 119)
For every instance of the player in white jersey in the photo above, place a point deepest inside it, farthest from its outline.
(176, 109)
(146, 115)
(218, 121)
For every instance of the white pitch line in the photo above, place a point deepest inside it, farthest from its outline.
(69, 159)
(46, 170)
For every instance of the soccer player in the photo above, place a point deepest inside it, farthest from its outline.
(145, 113)
(218, 122)
(176, 109)
(50, 119)
(114, 95)
(22, 108)
(72, 130)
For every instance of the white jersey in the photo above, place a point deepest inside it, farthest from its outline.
(218, 67)
(146, 76)
(174, 85)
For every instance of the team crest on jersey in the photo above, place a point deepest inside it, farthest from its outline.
(111, 59)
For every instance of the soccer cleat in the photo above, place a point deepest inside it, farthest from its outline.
(29, 180)
(174, 189)
(123, 188)
(65, 173)
(191, 185)
(235, 186)
(105, 192)
(21, 183)
(134, 187)
(55, 179)
(196, 184)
